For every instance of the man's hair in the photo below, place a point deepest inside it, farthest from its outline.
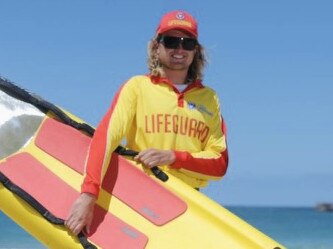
(195, 71)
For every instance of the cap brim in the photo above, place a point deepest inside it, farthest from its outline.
(191, 33)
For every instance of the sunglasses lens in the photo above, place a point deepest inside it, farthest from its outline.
(172, 42)
(189, 43)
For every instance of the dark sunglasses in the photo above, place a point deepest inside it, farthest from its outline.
(173, 42)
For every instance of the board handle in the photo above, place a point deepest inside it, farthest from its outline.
(156, 170)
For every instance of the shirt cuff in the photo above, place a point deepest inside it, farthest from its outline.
(90, 188)
(181, 157)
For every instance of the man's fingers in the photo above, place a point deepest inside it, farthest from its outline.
(87, 228)
(77, 229)
(76, 226)
(81, 213)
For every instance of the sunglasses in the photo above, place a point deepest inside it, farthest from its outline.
(173, 42)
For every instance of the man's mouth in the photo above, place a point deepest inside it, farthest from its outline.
(178, 56)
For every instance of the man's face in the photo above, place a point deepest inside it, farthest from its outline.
(175, 58)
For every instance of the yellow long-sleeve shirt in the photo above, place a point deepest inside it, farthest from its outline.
(151, 113)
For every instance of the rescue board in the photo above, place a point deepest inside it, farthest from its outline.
(42, 155)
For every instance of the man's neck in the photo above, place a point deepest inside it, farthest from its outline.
(176, 77)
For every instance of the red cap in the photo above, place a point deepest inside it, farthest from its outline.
(178, 19)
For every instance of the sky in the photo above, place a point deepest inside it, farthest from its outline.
(270, 62)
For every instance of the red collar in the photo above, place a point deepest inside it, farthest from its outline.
(159, 80)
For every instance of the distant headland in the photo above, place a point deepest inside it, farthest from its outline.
(324, 207)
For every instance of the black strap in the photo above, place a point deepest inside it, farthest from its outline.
(84, 241)
(43, 105)
(8, 184)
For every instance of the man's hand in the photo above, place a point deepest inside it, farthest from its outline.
(81, 214)
(154, 157)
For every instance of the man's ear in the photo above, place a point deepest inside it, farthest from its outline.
(156, 46)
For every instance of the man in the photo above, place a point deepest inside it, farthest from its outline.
(167, 115)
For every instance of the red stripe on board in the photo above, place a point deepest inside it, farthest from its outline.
(58, 139)
(122, 179)
(149, 198)
(57, 196)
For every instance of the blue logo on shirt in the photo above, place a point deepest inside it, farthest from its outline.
(200, 108)
(191, 105)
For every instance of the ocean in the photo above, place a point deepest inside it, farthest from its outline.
(295, 228)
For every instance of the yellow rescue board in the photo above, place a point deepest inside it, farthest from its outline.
(137, 208)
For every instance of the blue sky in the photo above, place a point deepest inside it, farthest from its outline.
(271, 63)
